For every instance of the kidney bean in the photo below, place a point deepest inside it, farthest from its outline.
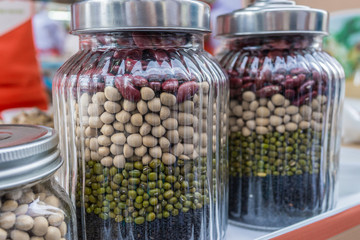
(302, 77)
(247, 79)
(307, 86)
(187, 90)
(129, 64)
(305, 98)
(248, 86)
(297, 71)
(268, 91)
(315, 75)
(233, 73)
(291, 82)
(135, 54)
(156, 41)
(125, 41)
(277, 78)
(259, 83)
(236, 82)
(289, 93)
(139, 81)
(156, 86)
(141, 39)
(126, 88)
(170, 85)
(161, 55)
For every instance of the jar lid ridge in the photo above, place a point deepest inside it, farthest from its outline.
(268, 17)
(95, 16)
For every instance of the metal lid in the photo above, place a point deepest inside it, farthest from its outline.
(273, 17)
(140, 15)
(27, 154)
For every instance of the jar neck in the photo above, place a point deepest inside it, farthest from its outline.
(126, 40)
(290, 42)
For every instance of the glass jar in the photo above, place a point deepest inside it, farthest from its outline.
(139, 116)
(286, 99)
(32, 204)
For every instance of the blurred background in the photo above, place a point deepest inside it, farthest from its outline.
(52, 43)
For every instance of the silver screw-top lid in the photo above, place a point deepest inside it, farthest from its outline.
(140, 15)
(27, 154)
(273, 17)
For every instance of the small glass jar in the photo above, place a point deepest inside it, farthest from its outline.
(138, 109)
(286, 99)
(32, 204)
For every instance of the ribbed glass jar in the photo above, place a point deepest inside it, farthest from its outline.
(143, 129)
(39, 210)
(286, 99)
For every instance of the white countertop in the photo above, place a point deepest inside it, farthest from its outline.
(349, 195)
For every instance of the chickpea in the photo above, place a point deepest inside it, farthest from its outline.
(24, 222)
(53, 233)
(19, 235)
(40, 226)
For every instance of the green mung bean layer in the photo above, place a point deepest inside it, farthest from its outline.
(139, 193)
(275, 154)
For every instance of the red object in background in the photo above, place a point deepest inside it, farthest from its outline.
(20, 78)
(208, 44)
(342, 226)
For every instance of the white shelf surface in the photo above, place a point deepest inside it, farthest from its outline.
(349, 195)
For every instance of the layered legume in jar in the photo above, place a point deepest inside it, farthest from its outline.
(145, 109)
(282, 102)
(34, 213)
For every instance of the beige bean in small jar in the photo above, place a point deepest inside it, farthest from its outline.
(32, 214)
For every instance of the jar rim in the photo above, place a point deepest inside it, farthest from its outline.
(96, 16)
(268, 17)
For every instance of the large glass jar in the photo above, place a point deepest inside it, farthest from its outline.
(285, 105)
(139, 116)
(32, 204)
